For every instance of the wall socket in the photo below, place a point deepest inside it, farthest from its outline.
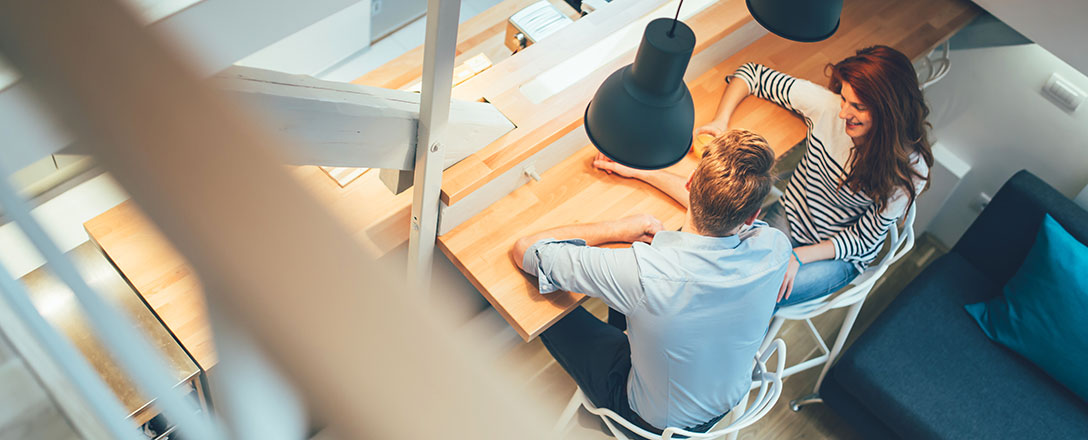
(375, 7)
(1062, 92)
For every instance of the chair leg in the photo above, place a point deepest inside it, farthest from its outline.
(840, 340)
(568, 414)
(797, 404)
(772, 332)
(736, 414)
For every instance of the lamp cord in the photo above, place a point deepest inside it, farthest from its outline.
(674, 19)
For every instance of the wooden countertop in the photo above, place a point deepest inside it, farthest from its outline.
(568, 193)
(573, 192)
(538, 125)
(166, 282)
(58, 305)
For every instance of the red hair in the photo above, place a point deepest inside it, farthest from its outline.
(885, 82)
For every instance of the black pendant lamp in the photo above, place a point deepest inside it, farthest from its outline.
(798, 20)
(642, 115)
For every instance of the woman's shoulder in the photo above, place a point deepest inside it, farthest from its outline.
(918, 163)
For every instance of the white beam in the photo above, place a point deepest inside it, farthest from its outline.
(213, 33)
(434, 137)
(348, 125)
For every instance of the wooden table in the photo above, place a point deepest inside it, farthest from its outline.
(161, 276)
(573, 192)
(59, 306)
(568, 193)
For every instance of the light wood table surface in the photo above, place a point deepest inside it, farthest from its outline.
(59, 306)
(540, 124)
(572, 192)
(568, 193)
(378, 219)
(168, 284)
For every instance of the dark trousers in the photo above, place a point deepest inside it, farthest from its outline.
(598, 357)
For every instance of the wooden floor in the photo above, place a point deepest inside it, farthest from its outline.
(533, 363)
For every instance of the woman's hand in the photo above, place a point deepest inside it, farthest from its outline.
(711, 129)
(640, 227)
(787, 282)
(609, 166)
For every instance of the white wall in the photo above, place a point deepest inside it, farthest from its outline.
(990, 112)
(392, 14)
(319, 46)
(62, 218)
(1061, 26)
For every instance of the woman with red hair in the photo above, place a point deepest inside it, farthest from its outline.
(867, 160)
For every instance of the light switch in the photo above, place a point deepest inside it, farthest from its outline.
(1063, 93)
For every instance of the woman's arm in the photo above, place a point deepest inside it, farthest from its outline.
(671, 184)
(824, 250)
(793, 94)
(735, 92)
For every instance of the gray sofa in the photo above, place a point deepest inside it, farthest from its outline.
(925, 370)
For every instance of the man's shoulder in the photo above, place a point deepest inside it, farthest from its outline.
(763, 235)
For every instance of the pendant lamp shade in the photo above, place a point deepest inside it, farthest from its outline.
(798, 20)
(642, 115)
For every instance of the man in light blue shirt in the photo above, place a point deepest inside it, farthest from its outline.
(698, 300)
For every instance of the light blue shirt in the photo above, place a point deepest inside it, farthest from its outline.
(697, 308)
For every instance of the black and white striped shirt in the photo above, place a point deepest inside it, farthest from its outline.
(816, 207)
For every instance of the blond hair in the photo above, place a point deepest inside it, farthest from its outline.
(731, 181)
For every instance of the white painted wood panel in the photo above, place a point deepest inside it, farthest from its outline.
(349, 125)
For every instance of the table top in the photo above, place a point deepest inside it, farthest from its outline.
(59, 306)
(378, 220)
(572, 192)
(568, 193)
(538, 124)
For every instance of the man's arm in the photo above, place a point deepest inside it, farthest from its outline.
(671, 184)
(566, 263)
(625, 230)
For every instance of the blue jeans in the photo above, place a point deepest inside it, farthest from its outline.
(598, 357)
(816, 279)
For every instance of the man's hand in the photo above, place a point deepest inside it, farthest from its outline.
(640, 227)
(787, 282)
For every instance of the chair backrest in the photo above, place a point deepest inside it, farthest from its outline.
(898, 243)
(770, 389)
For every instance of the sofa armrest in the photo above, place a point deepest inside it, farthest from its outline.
(999, 239)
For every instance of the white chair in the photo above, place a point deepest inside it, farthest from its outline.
(769, 384)
(898, 244)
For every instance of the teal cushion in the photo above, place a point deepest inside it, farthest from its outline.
(1043, 314)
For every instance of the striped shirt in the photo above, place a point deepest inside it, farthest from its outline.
(816, 207)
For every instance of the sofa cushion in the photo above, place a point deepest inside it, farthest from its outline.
(926, 370)
(1044, 308)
